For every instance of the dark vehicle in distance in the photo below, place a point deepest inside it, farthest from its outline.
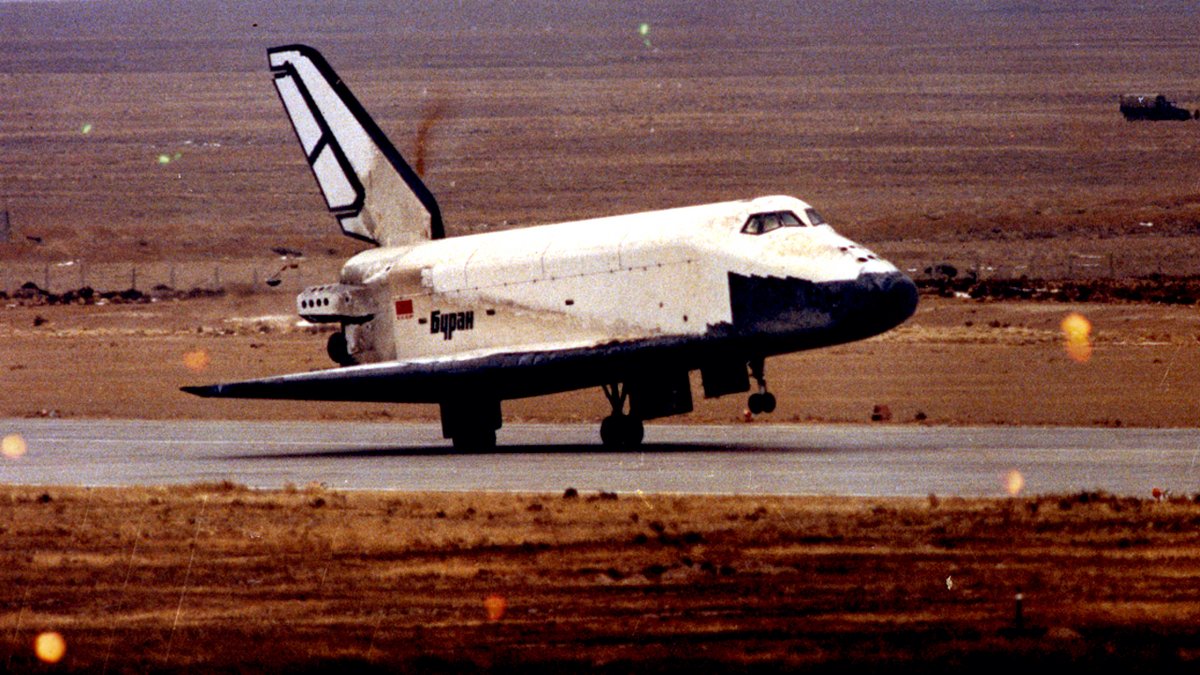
(1154, 107)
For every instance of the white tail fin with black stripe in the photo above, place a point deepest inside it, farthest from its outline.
(369, 188)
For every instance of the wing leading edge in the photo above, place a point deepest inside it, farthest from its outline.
(503, 376)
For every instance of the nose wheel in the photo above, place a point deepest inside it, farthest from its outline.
(620, 430)
(763, 401)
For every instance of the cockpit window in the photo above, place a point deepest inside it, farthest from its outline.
(762, 223)
(814, 218)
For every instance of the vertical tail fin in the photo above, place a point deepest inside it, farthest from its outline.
(369, 188)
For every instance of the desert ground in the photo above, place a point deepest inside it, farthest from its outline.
(144, 148)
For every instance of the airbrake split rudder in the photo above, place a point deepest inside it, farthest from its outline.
(375, 195)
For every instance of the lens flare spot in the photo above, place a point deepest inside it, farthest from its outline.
(1077, 332)
(196, 360)
(644, 32)
(13, 446)
(1014, 482)
(164, 159)
(494, 606)
(50, 647)
(86, 129)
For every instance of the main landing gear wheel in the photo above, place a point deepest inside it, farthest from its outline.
(619, 430)
(475, 441)
(763, 401)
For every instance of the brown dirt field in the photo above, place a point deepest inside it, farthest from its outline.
(219, 577)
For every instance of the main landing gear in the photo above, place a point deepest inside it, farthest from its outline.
(620, 430)
(763, 401)
(474, 441)
(471, 423)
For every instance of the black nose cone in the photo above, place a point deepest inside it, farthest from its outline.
(890, 298)
(900, 293)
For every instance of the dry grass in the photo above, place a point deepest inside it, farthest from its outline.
(171, 578)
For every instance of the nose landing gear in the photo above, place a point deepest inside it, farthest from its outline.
(763, 401)
(620, 430)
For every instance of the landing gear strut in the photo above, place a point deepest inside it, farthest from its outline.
(763, 401)
(619, 430)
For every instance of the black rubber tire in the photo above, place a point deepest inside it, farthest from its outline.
(610, 431)
(635, 431)
(621, 431)
(755, 404)
(768, 403)
(338, 350)
(476, 441)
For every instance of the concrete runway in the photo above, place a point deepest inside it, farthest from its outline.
(870, 460)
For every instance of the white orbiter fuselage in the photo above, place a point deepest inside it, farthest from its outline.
(631, 303)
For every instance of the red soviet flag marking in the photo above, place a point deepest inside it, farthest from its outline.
(404, 309)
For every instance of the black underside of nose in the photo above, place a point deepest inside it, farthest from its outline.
(822, 313)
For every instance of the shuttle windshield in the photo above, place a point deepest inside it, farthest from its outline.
(762, 223)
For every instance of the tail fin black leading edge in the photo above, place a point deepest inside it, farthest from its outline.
(375, 195)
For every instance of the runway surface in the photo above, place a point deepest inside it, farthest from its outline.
(873, 460)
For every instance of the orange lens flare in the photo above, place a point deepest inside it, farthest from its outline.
(196, 360)
(13, 446)
(495, 605)
(1014, 482)
(50, 647)
(1077, 332)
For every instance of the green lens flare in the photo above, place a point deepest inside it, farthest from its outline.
(644, 32)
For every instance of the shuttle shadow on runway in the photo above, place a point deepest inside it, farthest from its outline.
(522, 449)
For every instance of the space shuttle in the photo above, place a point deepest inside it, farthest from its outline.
(630, 304)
